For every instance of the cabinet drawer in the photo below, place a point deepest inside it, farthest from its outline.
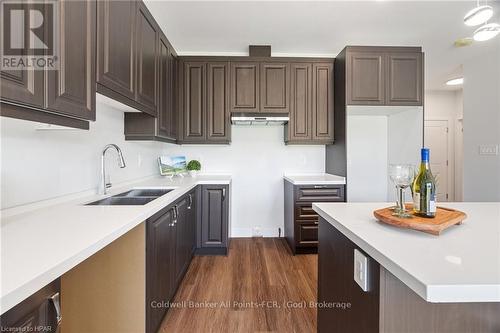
(305, 211)
(306, 233)
(314, 193)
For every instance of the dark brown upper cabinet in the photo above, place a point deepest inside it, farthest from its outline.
(245, 87)
(205, 102)
(142, 126)
(311, 106)
(384, 76)
(116, 32)
(127, 54)
(65, 96)
(274, 87)
(322, 107)
(71, 90)
(194, 102)
(404, 78)
(218, 117)
(366, 78)
(299, 128)
(146, 59)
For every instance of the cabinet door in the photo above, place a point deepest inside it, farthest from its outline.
(192, 221)
(306, 233)
(71, 89)
(194, 102)
(404, 82)
(182, 251)
(146, 57)
(274, 87)
(166, 93)
(322, 109)
(214, 216)
(218, 121)
(365, 78)
(160, 251)
(24, 87)
(336, 282)
(116, 46)
(244, 87)
(300, 123)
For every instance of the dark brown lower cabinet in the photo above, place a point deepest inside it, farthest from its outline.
(213, 225)
(169, 250)
(353, 310)
(38, 313)
(301, 221)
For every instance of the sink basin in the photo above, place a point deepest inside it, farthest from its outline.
(144, 193)
(122, 201)
(136, 197)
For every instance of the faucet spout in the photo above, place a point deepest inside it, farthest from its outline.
(121, 162)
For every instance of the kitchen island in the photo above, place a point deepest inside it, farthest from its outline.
(415, 282)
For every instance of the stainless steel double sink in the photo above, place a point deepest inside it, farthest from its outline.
(135, 197)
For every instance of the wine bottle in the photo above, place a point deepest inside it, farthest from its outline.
(424, 188)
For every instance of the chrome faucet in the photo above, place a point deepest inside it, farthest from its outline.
(121, 161)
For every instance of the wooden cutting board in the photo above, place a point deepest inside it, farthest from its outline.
(445, 217)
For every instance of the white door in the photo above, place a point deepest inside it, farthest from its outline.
(459, 161)
(436, 139)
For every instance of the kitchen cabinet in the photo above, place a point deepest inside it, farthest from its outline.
(66, 95)
(336, 285)
(245, 92)
(160, 258)
(404, 78)
(42, 309)
(205, 97)
(116, 33)
(301, 221)
(274, 87)
(214, 218)
(142, 126)
(127, 54)
(384, 76)
(311, 108)
(146, 59)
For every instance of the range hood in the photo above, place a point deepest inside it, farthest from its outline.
(266, 119)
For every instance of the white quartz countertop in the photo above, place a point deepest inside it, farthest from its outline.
(460, 265)
(315, 179)
(39, 245)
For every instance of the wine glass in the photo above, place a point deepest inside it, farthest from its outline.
(403, 175)
(392, 176)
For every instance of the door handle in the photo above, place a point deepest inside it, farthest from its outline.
(55, 299)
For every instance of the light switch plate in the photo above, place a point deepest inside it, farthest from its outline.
(488, 150)
(361, 269)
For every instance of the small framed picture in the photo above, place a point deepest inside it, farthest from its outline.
(172, 165)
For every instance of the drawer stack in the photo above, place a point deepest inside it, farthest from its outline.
(301, 221)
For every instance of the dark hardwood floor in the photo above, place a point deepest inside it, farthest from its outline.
(258, 270)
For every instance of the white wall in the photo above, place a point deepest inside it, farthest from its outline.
(38, 165)
(481, 98)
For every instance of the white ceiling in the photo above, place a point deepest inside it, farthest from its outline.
(323, 28)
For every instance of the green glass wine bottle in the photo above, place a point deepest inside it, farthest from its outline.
(424, 188)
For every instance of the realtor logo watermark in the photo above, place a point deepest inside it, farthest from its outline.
(29, 35)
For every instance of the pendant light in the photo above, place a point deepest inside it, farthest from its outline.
(478, 15)
(486, 32)
(455, 82)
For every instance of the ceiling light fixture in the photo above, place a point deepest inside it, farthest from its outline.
(478, 15)
(486, 32)
(455, 82)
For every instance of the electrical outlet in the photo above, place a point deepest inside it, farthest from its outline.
(257, 232)
(488, 150)
(361, 269)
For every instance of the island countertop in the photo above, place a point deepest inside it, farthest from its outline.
(40, 244)
(460, 265)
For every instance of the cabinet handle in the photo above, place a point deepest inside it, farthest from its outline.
(320, 186)
(223, 194)
(57, 306)
(190, 201)
(176, 213)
